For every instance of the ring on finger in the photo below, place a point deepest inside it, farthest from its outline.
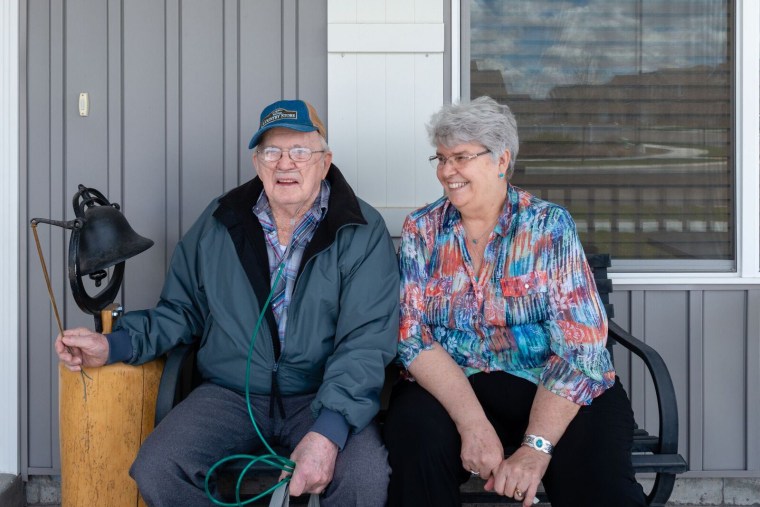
(518, 494)
(474, 473)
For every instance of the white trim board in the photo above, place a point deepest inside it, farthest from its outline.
(9, 230)
(385, 38)
(748, 143)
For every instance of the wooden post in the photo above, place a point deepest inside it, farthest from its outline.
(102, 426)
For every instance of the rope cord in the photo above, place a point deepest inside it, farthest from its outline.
(272, 459)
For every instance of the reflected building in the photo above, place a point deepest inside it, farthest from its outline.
(642, 161)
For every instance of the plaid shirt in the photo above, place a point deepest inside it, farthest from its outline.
(532, 310)
(292, 254)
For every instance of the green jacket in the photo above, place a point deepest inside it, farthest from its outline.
(342, 320)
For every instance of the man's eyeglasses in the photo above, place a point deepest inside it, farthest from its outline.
(457, 161)
(272, 154)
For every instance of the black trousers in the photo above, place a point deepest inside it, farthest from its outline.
(591, 464)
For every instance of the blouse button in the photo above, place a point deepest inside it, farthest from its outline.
(527, 285)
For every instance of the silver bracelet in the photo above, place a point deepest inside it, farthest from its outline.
(538, 443)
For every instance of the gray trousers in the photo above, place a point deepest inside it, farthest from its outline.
(213, 423)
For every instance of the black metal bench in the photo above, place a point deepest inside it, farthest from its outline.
(653, 453)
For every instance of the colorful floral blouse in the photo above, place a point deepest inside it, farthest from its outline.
(532, 310)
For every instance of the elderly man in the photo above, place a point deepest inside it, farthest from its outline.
(296, 244)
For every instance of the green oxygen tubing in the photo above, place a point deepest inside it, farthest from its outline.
(272, 459)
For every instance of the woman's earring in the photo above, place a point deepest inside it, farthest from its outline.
(501, 175)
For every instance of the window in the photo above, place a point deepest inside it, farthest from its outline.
(625, 114)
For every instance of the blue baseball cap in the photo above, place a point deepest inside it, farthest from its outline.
(290, 114)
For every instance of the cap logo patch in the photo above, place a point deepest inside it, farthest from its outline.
(279, 114)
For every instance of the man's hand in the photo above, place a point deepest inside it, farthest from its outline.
(81, 347)
(315, 457)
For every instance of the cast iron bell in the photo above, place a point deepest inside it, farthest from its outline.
(101, 238)
(106, 237)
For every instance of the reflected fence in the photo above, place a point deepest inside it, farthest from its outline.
(642, 211)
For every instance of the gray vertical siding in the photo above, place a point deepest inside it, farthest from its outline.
(175, 90)
(44, 134)
(752, 366)
(138, 137)
(723, 380)
(709, 339)
(663, 320)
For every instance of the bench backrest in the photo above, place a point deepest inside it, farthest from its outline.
(599, 264)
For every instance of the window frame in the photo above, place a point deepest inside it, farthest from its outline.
(745, 268)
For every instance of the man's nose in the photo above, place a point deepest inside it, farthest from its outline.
(285, 162)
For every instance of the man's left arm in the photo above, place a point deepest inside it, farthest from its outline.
(365, 343)
(366, 332)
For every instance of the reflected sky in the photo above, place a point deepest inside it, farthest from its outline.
(540, 44)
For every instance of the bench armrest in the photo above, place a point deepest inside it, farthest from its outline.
(663, 386)
(169, 390)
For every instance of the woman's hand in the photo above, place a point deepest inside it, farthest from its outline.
(481, 448)
(519, 475)
(437, 372)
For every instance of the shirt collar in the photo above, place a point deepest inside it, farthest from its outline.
(451, 215)
(318, 208)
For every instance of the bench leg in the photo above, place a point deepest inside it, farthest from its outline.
(663, 487)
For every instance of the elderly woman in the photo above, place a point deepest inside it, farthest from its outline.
(502, 338)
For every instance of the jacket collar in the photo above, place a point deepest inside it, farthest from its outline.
(236, 213)
(343, 206)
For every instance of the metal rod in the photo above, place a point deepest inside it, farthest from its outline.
(45, 273)
(50, 291)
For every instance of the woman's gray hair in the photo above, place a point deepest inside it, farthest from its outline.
(483, 121)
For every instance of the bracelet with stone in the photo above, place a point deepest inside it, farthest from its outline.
(538, 443)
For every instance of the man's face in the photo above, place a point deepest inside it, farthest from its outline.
(291, 185)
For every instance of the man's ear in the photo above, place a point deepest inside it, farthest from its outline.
(254, 161)
(328, 162)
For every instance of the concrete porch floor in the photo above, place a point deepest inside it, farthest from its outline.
(44, 491)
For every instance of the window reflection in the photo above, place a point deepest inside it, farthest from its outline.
(625, 112)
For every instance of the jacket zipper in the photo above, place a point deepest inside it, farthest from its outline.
(275, 389)
(275, 394)
(278, 352)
